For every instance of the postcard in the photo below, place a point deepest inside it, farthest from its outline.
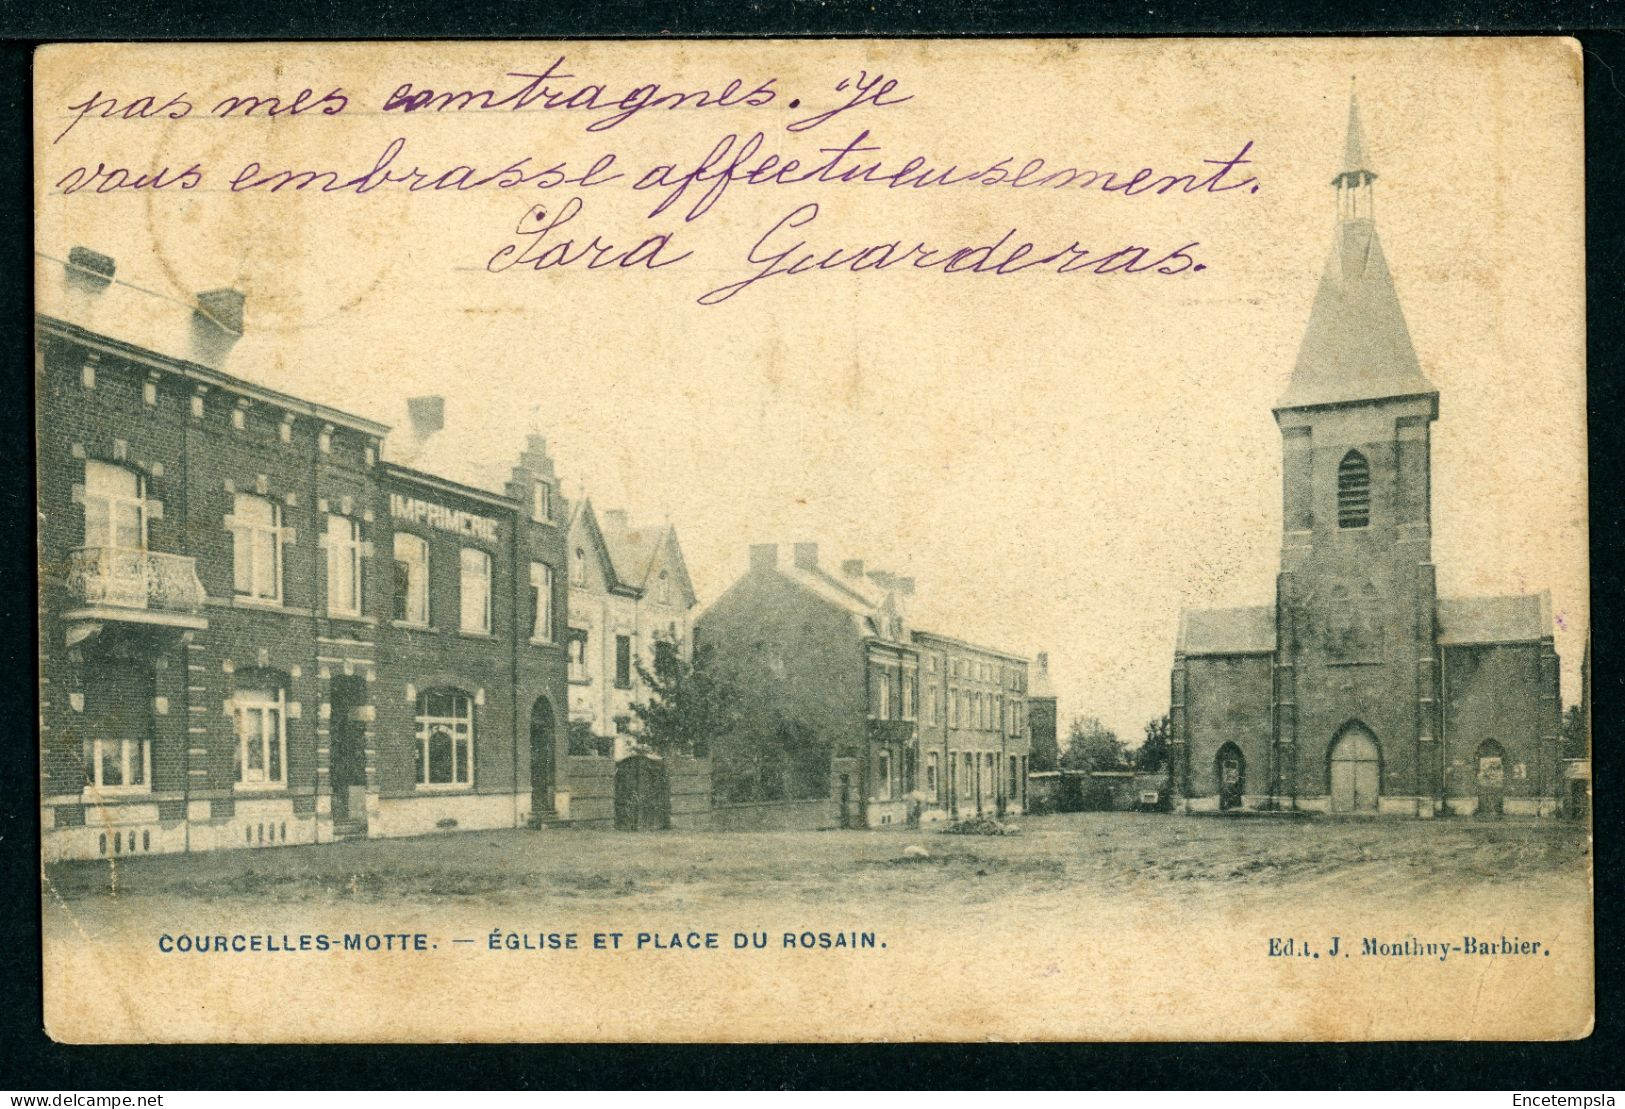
(826, 540)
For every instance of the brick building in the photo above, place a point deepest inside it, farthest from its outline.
(1360, 689)
(254, 628)
(1043, 718)
(845, 699)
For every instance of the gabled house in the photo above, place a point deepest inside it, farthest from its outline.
(629, 589)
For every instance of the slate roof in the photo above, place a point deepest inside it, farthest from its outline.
(1227, 631)
(1356, 345)
(1521, 618)
(172, 329)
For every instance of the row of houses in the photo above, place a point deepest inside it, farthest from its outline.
(268, 621)
(891, 722)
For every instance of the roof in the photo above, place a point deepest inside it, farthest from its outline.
(628, 552)
(178, 333)
(1521, 618)
(1355, 162)
(969, 646)
(1356, 346)
(1227, 631)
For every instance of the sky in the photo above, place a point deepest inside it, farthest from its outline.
(1063, 461)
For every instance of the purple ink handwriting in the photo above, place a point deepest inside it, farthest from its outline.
(543, 241)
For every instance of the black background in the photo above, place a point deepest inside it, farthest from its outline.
(31, 1062)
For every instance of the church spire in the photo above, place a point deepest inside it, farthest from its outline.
(1356, 346)
(1353, 182)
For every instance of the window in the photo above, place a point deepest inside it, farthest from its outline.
(931, 775)
(883, 776)
(953, 708)
(578, 656)
(262, 742)
(411, 578)
(578, 567)
(476, 592)
(967, 776)
(541, 602)
(663, 590)
(1014, 790)
(343, 566)
(1353, 491)
(879, 693)
(257, 547)
(115, 507)
(112, 764)
(623, 662)
(908, 695)
(931, 704)
(445, 749)
(541, 501)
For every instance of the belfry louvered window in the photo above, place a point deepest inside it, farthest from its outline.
(1353, 491)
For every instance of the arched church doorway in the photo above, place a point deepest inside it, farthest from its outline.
(1230, 767)
(1356, 771)
(541, 757)
(1491, 778)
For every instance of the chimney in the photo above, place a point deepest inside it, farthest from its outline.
(88, 265)
(905, 586)
(616, 518)
(806, 555)
(427, 415)
(764, 556)
(852, 567)
(223, 307)
(1043, 662)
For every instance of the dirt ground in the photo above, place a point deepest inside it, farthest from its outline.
(1083, 926)
(1105, 854)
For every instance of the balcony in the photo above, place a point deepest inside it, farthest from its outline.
(109, 584)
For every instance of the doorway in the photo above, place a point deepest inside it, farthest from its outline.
(1491, 778)
(541, 757)
(1230, 766)
(347, 757)
(1356, 771)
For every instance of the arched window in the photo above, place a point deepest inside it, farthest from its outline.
(1353, 491)
(115, 507)
(445, 748)
(578, 567)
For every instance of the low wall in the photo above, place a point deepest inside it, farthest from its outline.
(775, 816)
(690, 783)
(592, 789)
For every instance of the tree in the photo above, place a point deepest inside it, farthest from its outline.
(691, 702)
(1151, 756)
(1090, 745)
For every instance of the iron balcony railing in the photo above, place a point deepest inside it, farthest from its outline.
(117, 578)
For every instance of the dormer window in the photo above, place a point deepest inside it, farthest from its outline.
(1353, 491)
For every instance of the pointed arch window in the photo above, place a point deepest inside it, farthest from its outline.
(1353, 491)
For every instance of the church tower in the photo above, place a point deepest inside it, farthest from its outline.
(1355, 694)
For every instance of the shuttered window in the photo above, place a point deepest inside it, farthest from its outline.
(1353, 491)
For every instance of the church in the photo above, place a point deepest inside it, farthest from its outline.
(1361, 690)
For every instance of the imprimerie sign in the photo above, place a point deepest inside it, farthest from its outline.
(446, 519)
